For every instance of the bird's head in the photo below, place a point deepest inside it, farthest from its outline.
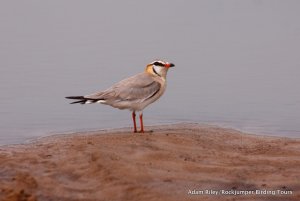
(159, 68)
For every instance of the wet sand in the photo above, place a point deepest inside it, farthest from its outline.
(174, 162)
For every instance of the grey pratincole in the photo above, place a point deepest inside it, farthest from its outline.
(134, 93)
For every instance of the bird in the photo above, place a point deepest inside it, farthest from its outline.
(134, 93)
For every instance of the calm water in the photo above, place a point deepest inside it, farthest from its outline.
(237, 63)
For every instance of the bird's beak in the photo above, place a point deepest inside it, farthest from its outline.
(168, 65)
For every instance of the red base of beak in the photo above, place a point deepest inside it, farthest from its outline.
(168, 65)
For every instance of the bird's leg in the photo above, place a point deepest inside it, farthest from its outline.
(134, 122)
(141, 122)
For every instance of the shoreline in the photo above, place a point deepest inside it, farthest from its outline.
(256, 132)
(165, 164)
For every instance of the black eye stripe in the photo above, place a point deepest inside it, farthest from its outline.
(158, 64)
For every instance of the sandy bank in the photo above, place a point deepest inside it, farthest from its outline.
(171, 163)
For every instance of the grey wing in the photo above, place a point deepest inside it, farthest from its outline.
(137, 88)
(137, 93)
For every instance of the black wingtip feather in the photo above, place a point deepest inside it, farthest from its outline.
(81, 102)
(74, 97)
(82, 99)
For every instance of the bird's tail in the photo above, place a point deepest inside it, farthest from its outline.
(82, 99)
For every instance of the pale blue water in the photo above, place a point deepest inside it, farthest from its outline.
(237, 63)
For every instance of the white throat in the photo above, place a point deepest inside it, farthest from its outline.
(158, 70)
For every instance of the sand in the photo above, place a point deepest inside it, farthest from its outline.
(174, 162)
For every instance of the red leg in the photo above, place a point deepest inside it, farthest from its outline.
(134, 122)
(141, 122)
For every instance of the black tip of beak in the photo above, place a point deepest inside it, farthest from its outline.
(172, 65)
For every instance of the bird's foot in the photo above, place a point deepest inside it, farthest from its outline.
(143, 131)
